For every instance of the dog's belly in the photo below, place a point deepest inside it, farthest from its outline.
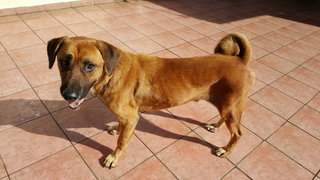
(155, 103)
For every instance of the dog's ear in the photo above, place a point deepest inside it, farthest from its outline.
(53, 48)
(110, 55)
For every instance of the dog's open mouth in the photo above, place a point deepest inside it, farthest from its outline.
(75, 105)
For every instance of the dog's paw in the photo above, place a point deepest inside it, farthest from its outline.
(211, 128)
(222, 152)
(112, 130)
(110, 161)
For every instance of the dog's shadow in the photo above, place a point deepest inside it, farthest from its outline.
(13, 113)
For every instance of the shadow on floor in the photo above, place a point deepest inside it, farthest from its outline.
(233, 10)
(17, 120)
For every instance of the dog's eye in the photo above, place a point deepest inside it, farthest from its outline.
(65, 63)
(90, 67)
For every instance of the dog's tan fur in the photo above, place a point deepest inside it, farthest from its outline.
(128, 83)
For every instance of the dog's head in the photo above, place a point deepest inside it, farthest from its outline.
(81, 61)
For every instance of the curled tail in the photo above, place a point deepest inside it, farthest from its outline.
(235, 44)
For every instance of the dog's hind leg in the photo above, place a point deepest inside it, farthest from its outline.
(233, 124)
(234, 118)
(215, 126)
(114, 130)
(223, 99)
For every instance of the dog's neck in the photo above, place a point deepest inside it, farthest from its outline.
(105, 86)
(102, 84)
(107, 82)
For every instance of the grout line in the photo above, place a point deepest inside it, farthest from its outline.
(153, 155)
(124, 42)
(237, 163)
(40, 160)
(304, 103)
(295, 80)
(46, 114)
(233, 163)
(316, 175)
(167, 167)
(265, 141)
(283, 74)
(244, 172)
(66, 136)
(71, 145)
(5, 168)
(24, 122)
(25, 78)
(176, 140)
(28, 88)
(201, 139)
(130, 170)
(74, 144)
(307, 104)
(248, 155)
(65, 25)
(143, 144)
(251, 131)
(235, 167)
(289, 122)
(92, 21)
(228, 172)
(270, 109)
(213, 146)
(289, 157)
(285, 119)
(298, 65)
(146, 36)
(285, 122)
(15, 62)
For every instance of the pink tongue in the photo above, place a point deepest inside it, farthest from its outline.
(77, 103)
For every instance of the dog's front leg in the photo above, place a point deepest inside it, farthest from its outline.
(127, 126)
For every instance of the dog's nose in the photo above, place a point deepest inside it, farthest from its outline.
(70, 95)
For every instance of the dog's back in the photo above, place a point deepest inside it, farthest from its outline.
(172, 81)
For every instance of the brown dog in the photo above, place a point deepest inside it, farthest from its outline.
(128, 83)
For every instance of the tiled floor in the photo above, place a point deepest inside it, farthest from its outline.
(40, 138)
